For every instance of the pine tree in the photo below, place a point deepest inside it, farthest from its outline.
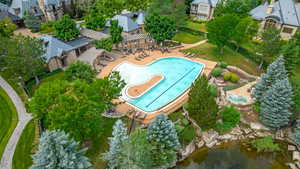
(276, 71)
(119, 136)
(57, 151)
(202, 106)
(276, 105)
(163, 136)
(32, 22)
(296, 133)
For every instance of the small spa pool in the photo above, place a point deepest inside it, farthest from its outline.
(238, 99)
(178, 73)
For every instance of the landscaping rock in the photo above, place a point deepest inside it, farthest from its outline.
(258, 126)
(225, 137)
(246, 130)
(296, 155)
(262, 134)
(297, 164)
(210, 136)
(291, 148)
(211, 144)
(236, 131)
(292, 165)
(200, 144)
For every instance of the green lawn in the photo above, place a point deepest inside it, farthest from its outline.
(196, 26)
(8, 119)
(210, 52)
(187, 38)
(22, 157)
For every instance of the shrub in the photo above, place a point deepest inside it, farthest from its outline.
(105, 44)
(223, 65)
(47, 27)
(227, 76)
(230, 117)
(265, 144)
(213, 90)
(232, 77)
(234, 86)
(217, 72)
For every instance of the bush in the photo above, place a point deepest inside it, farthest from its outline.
(213, 90)
(105, 44)
(217, 72)
(230, 117)
(223, 65)
(234, 86)
(265, 144)
(232, 77)
(47, 27)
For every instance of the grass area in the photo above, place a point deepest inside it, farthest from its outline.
(210, 52)
(31, 87)
(187, 38)
(14, 85)
(8, 119)
(22, 157)
(196, 26)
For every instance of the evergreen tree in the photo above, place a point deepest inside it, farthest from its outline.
(115, 31)
(32, 22)
(276, 105)
(119, 136)
(296, 133)
(276, 71)
(202, 106)
(163, 137)
(57, 151)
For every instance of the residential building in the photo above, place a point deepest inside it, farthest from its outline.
(4, 13)
(282, 14)
(203, 9)
(54, 9)
(59, 54)
(19, 7)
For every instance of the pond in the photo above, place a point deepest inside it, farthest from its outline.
(234, 156)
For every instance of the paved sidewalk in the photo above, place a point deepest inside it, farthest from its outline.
(24, 118)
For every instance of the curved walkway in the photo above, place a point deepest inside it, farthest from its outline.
(24, 118)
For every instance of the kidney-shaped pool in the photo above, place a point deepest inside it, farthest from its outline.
(178, 75)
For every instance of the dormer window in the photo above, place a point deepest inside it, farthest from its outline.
(17, 11)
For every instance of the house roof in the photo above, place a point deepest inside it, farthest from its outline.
(23, 5)
(285, 11)
(5, 14)
(125, 22)
(79, 42)
(54, 47)
(3, 6)
(57, 2)
(90, 55)
(213, 3)
(93, 34)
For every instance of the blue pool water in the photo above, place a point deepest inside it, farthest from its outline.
(179, 74)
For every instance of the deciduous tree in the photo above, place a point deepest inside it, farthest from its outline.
(80, 71)
(160, 27)
(65, 29)
(115, 31)
(7, 27)
(221, 30)
(94, 20)
(57, 150)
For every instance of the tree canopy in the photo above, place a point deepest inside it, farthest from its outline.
(7, 27)
(160, 27)
(115, 31)
(221, 30)
(75, 107)
(240, 7)
(32, 22)
(58, 150)
(66, 29)
(80, 71)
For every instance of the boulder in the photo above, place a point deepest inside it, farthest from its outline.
(292, 165)
(262, 134)
(200, 144)
(291, 148)
(211, 144)
(246, 130)
(210, 136)
(297, 164)
(258, 126)
(225, 137)
(236, 131)
(296, 155)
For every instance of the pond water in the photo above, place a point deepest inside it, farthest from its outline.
(234, 157)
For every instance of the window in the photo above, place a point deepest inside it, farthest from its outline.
(287, 30)
(270, 23)
(17, 11)
(203, 8)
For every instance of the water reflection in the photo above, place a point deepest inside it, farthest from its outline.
(231, 157)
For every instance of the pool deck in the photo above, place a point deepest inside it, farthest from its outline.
(171, 107)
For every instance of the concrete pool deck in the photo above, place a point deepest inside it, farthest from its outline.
(171, 107)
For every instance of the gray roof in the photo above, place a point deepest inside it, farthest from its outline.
(56, 3)
(93, 34)
(3, 6)
(79, 42)
(5, 14)
(54, 47)
(23, 5)
(125, 22)
(213, 3)
(285, 11)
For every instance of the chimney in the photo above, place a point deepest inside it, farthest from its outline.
(270, 7)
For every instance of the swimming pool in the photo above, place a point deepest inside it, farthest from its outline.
(178, 73)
